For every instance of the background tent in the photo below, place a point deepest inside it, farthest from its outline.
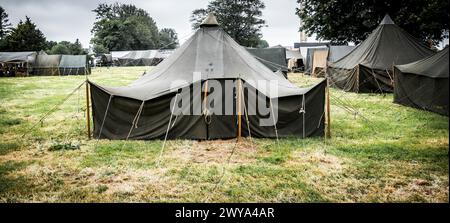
(309, 63)
(74, 65)
(273, 58)
(142, 110)
(335, 53)
(16, 63)
(424, 84)
(369, 67)
(295, 59)
(319, 63)
(46, 65)
(141, 58)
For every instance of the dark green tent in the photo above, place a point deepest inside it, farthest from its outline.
(424, 84)
(369, 67)
(46, 65)
(171, 101)
(274, 58)
(74, 65)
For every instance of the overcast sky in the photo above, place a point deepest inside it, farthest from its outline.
(71, 19)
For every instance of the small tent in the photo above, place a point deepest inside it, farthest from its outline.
(309, 64)
(209, 88)
(46, 65)
(319, 62)
(274, 58)
(295, 59)
(74, 65)
(369, 67)
(424, 84)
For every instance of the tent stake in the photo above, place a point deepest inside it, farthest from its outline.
(88, 115)
(327, 116)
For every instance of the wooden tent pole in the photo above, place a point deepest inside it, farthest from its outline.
(239, 110)
(327, 116)
(88, 113)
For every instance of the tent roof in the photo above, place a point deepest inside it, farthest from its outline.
(337, 52)
(293, 54)
(386, 46)
(15, 56)
(435, 66)
(69, 61)
(118, 54)
(212, 54)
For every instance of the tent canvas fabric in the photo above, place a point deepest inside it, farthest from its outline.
(142, 58)
(335, 53)
(273, 58)
(310, 57)
(74, 65)
(7, 57)
(46, 65)
(142, 110)
(424, 84)
(319, 63)
(369, 67)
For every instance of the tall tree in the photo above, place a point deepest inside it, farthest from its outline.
(343, 21)
(241, 19)
(168, 38)
(26, 37)
(124, 27)
(5, 25)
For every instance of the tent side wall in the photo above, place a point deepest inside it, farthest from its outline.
(74, 65)
(155, 115)
(421, 92)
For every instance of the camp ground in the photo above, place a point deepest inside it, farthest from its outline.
(145, 113)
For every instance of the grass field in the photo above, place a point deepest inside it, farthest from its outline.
(393, 154)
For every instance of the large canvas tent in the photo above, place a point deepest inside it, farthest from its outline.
(369, 67)
(46, 65)
(208, 61)
(74, 65)
(274, 58)
(424, 84)
(13, 63)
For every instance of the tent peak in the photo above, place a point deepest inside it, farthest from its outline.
(209, 21)
(387, 20)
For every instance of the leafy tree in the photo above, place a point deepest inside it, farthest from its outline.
(343, 21)
(124, 27)
(66, 47)
(168, 38)
(100, 49)
(49, 45)
(25, 37)
(262, 44)
(241, 19)
(5, 25)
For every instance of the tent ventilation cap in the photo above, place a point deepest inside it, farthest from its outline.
(209, 21)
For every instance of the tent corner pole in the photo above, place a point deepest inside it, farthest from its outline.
(88, 114)
(239, 110)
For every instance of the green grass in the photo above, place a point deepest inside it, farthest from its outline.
(380, 152)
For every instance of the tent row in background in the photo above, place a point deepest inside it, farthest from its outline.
(14, 64)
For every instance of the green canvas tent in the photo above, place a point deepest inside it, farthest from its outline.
(46, 65)
(74, 65)
(424, 84)
(202, 91)
(369, 67)
(274, 58)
